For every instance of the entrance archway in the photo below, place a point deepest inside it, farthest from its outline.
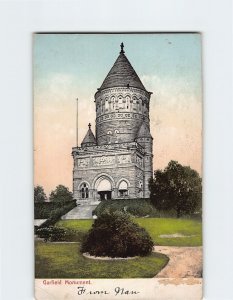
(104, 189)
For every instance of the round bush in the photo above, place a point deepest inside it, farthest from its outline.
(113, 234)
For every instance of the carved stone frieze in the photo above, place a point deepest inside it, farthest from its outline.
(83, 162)
(103, 160)
(124, 159)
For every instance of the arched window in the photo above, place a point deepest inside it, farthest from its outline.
(120, 102)
(140, 104)
(102, 106)
(134, 103)
(107, 101)
(123, 189)
(113, 102)
(109, 136)
(84, 191)
(140, 188)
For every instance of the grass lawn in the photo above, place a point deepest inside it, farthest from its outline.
(155, 227)
(63, 260)
(161, 226)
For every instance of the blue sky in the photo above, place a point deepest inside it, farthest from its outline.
(90, 57)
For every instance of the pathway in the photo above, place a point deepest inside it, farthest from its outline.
(183, 262)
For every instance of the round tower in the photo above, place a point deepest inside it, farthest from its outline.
(122, 104)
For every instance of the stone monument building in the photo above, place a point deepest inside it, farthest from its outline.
(117, 161)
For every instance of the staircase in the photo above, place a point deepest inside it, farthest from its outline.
(82, 211)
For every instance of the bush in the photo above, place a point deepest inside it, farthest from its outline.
(52, 210)
(135, 207)
(51, 233)
(114, 234)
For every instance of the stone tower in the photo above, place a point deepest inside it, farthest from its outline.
(118, 163)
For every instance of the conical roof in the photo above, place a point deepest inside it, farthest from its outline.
(144, 131)
(122, 74)
(89, 137)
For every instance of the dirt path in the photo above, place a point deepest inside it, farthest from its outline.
(183, 262)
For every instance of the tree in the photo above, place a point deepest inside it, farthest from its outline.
(114, 234)
(39, 194)
(177, 187)
(61, 194)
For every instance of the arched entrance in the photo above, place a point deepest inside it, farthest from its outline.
(104, 189)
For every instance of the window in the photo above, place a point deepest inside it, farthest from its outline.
(113, 102)
(84, 191)
(106, 104)
(127, 101)
(140, 188)
(123, 189)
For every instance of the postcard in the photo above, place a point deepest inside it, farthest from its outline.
(118, 166)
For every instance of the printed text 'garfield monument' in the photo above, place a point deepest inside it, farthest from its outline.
(116, 162)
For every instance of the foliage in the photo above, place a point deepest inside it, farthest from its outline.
(177, 187)
(44, 210)
(39, 194)
(64, 261)
(135, 207)
(114, 234)
(51, 233)
(56, 214)
(61, 194)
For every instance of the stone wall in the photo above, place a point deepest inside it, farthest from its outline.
(115, 167)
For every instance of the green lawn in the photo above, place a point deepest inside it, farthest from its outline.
(63, 260)
(155, 227)
(161, 226)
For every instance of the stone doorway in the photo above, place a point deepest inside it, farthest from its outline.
(105, 195)
(104, 189)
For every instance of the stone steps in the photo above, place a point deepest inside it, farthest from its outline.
(83, 211)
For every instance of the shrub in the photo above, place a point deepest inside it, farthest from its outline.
(51, 233)
(114, 234)
(135, 207)
(52, 211)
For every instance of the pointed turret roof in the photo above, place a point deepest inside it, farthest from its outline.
(144, 131)
(89, 138)
(122, 74)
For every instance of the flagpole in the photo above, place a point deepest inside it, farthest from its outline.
(77, 124)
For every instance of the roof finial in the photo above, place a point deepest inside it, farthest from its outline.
(122, 48)
(89, 125)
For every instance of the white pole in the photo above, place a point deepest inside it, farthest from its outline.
(77, 124)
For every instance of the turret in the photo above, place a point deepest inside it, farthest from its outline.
(121, 98)
(145, 139)
(89, 139)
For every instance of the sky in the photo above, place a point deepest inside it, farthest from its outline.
(70, 66)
